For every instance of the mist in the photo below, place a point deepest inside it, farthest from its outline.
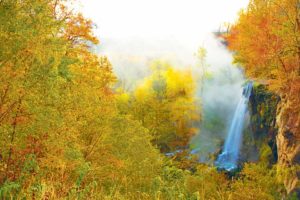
(218, 95)
(137, 33)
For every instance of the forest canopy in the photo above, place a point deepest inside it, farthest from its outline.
(67, 131)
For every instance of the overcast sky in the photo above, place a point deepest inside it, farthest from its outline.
(159, 18)
(132, 33)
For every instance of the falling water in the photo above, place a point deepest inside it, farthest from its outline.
(228, 159)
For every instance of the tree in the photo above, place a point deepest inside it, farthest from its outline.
(166, 106)
(266, 42)
(62, 135)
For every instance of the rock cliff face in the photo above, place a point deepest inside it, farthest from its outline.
(263, 105)
(275, 120)
(288, 142)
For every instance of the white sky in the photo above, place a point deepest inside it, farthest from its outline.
(133, 33)
(158, 18)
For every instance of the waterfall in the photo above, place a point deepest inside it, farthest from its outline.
(228, 159)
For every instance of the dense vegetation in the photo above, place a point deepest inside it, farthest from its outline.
(67, 133)
(266, 40)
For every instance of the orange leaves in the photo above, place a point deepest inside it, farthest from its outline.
(79, 30)
(116, 163)
(265, 42)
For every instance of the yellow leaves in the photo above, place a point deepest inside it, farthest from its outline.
(123, 97)
(165, 103)
(145, 90)
(165, 78)
(68, 107)
(179, 83)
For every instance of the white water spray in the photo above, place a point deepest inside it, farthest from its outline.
(228, 159)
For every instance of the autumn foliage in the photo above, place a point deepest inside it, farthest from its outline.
(266, 42)
(67, 133)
